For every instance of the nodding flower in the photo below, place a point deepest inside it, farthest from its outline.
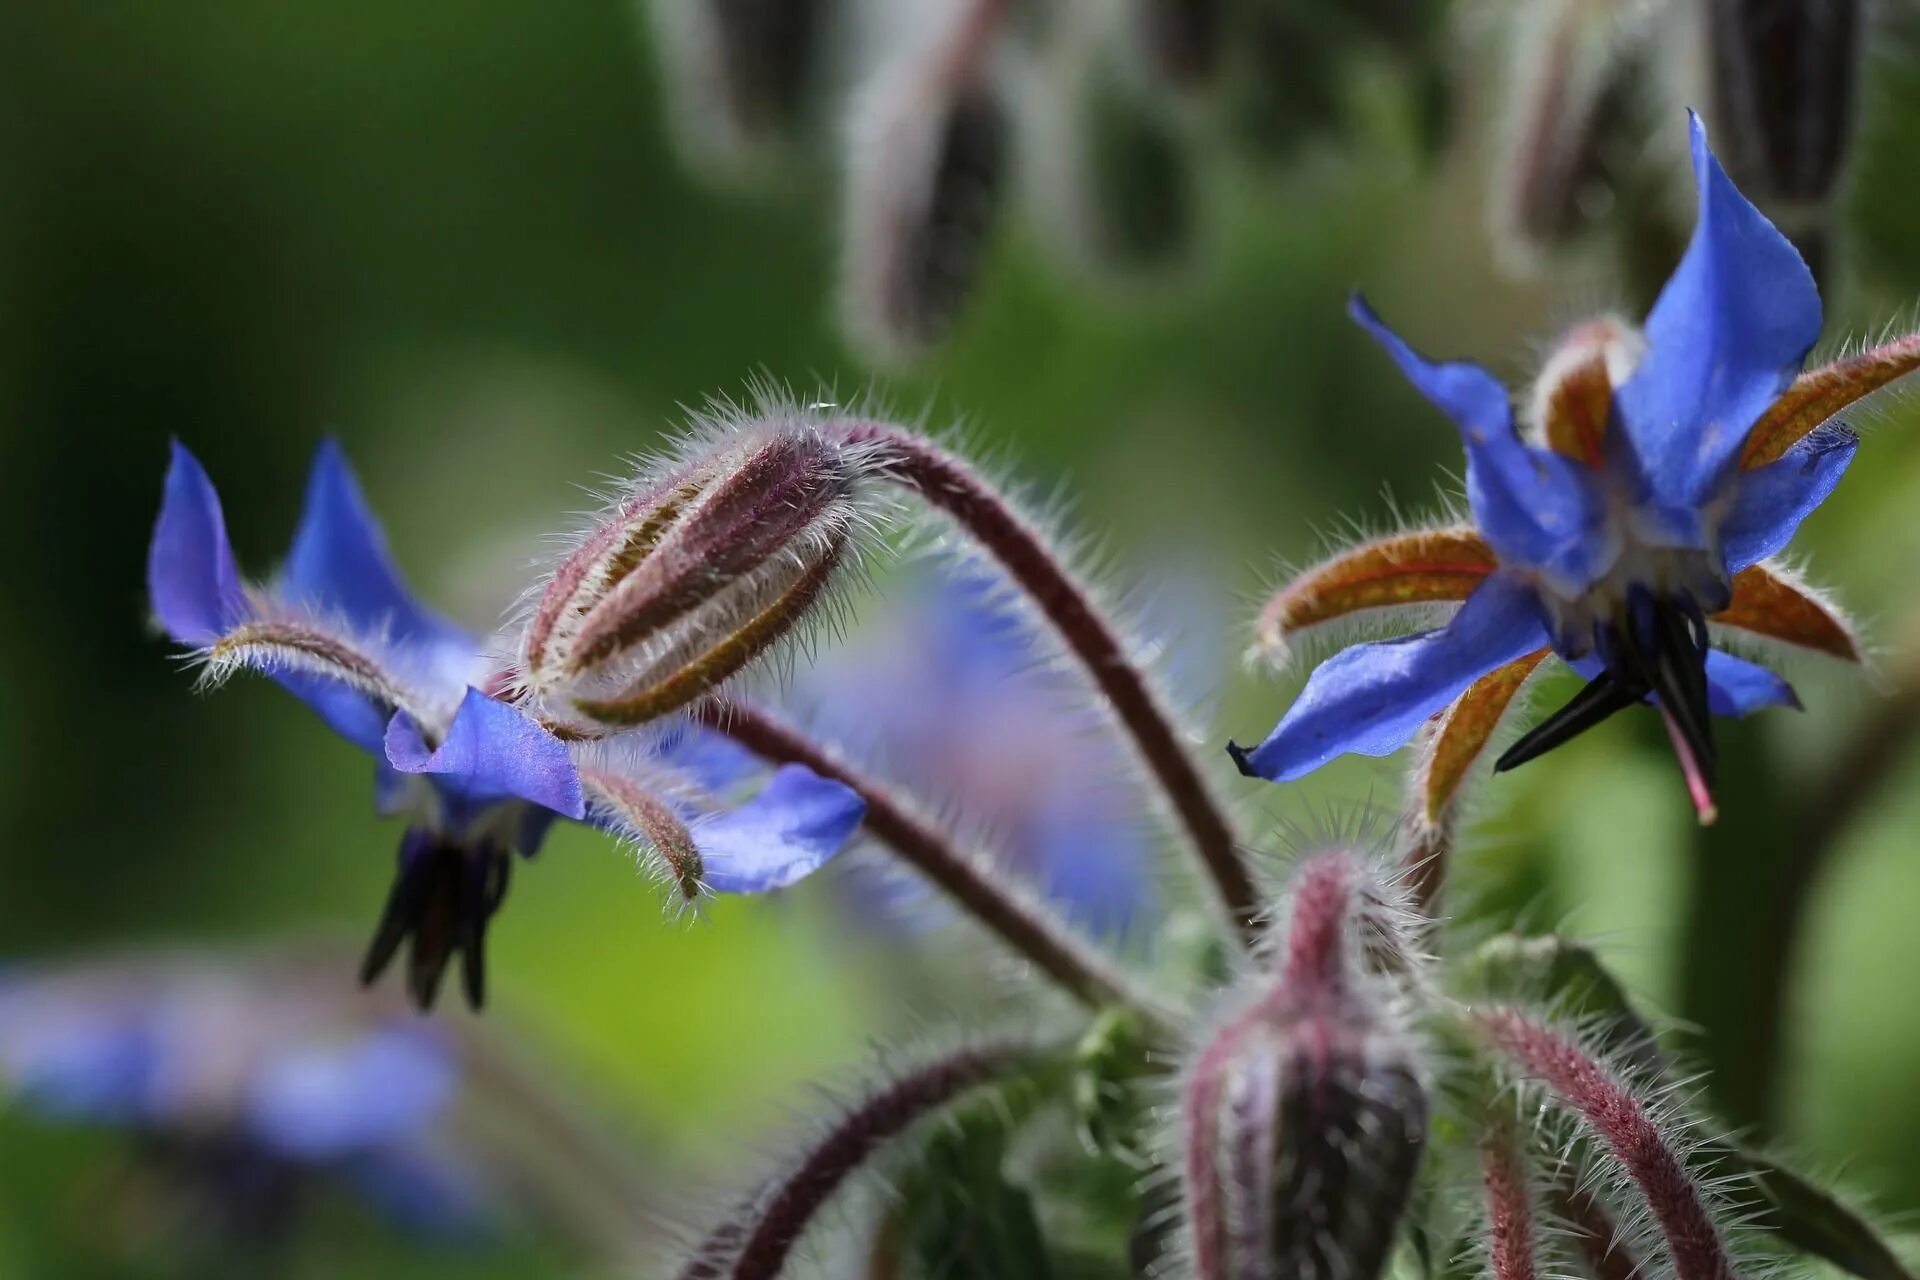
(249, 1083)
(478, 777)
(1632, 534)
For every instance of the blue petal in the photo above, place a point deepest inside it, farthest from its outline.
(191, 575)
(425, 1189)
(1536, 508)
(79, 1064)
(340, 562)
(1736, 686)
(1372, 698)
(491, 753)
(321, 1103)
(347, 711)
(1729, 332)
(1094, 863)
(797, 822)
(1770, 502)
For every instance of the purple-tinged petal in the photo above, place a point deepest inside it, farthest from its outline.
(191, 575)
(321, 1103)
(1372, 698)
(1736, 687)
(1770, 503)
(491, 753)
(1729, 333)
(1536, 507)
(426, 1189)
(347, 711)
(340, 562)
(789, 830)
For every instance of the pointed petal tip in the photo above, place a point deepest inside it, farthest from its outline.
(1242, 759)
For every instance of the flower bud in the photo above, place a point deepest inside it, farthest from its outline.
(1577, 67)
(1305, 1127)
(1783, 91)
(929, 149)
(738, 73)
(1571, 402)
(1306, 1114)
(696, 572)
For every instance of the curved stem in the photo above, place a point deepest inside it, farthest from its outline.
(753, 1242)
(949, 484)
(1021, 921)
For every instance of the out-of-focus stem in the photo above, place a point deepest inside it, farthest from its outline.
(753, 1243)
(1020, 920)
(950, 485)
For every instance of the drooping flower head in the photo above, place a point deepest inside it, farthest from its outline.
(1631, 533)
(673, 595)
(249, 1083)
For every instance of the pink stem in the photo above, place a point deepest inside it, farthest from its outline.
(1618, 1119)
(947, 483)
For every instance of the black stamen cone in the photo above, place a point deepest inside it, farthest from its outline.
(442, 900)
(1660, 649)
(1602, 697)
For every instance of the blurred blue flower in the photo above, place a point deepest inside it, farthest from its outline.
(1614, 538)
(950, 692)
(479, 779)
(246, 1086)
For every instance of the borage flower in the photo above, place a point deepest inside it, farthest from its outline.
(479, 777)
(250, 1084)
(952, 692)
(1631, 536)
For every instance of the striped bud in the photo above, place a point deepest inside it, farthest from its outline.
(699, 569)
(929, 151)
(1305, 1116)
(1571, 403)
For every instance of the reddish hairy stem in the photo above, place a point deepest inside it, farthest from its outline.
(1023, 923)
(947, 483)
(1611, 1111)
(757, 1239)
(1594, 1232)
(1509, 1207)
(1325, 896)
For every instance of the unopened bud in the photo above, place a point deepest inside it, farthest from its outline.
(1576, 67)
(1306, 1115)
(699, 571)
(1783, 91)
(1105, 164)
(929, 148)
(738, 73)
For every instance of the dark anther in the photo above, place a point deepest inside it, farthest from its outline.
(1603, 696)
(443, 898)
(1659, 649)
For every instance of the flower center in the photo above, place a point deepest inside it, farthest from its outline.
(443, 898)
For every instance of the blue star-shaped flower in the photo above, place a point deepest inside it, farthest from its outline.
(1626, 537)
(479, 779)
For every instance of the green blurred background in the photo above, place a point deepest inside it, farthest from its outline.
(457, 237)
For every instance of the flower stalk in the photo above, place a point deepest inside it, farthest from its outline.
(979, 888)
(948, 484)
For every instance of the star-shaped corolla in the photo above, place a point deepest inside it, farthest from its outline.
(1631, 531)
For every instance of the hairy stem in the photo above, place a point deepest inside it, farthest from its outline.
(947, 483)
(753, 1243)
(1018, 919)
(1595, 1235)
(1503, 1176)
(1614, 1115)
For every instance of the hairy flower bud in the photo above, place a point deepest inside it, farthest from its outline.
(1783, 91)
(697, 571)
(1576, 68)
(929, 146)
(738, 72)
(1305, 1116)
